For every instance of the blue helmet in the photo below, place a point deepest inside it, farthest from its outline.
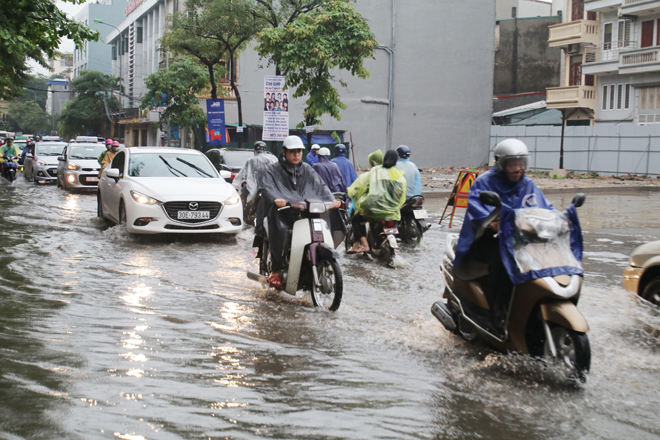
(403, 151)
(340, 148)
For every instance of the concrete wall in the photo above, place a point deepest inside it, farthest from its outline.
(523, 60)
(443, 82)
(524, 8)
(606, 149)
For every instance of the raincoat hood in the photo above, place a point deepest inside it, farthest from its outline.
(252, 172)
(376, 158)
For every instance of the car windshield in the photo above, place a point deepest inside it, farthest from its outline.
(170, 165)
(49, 149)
(86, 151)
(236, 159)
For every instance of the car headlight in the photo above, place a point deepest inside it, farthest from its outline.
(73, 166)
(41, 164)
(145, 200)
(233, 200)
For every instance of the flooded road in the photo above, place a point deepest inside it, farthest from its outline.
(105, 335)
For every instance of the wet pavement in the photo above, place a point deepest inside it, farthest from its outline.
(105, 335)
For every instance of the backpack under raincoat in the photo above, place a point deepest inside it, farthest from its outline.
(379, 193)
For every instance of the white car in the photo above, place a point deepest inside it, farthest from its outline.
(42, 165)
(155, 190)
(78, 166)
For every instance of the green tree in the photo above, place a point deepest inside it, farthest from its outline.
(88, 112)
(29, 117)
(177, 89)
(331, 36)
(33, 29)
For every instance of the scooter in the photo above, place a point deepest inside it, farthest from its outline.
(381, 237)
(413, 221)
(312, 262)
(9, 168)
(542, 317)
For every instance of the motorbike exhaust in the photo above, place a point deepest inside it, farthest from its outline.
(442, 314)
(259, 278)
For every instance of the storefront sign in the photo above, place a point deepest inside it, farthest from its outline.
(215, 112)
(276, 109)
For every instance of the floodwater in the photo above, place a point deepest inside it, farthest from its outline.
(109, 336)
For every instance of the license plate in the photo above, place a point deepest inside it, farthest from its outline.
(193, 215)
(92, 179)
(420, 213)
(391, 231)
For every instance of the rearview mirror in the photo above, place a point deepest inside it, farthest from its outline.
(225, 174)
(112, 172)
(490, 198)
(579, 200)
(60, 158)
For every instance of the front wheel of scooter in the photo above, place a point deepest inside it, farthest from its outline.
(573, 352)
(328, 293)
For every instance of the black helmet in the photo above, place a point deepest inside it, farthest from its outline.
(260, 146)
(340, 148)
(403, 152)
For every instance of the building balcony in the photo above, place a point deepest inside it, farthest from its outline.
(574, 32)
(571, 97)
(604, 59)
(640, 7)
(602, 5)
(640, 60)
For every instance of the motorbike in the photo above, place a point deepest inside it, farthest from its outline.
(312, 261)
(542, 318)
(413, 221)
(381, 237)
(9, 168)
(345, 209)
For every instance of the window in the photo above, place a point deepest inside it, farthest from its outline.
(624, 33)
(575, 72)
(114, 51)
(648, 98)
(605, 88)
(647, 33)
(607, 36)
(118, 162)
(589, 80)
(138, 36)
(612, 96)
(627, 99)
(619, 96)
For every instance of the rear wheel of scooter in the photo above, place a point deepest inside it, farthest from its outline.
(328, 294)
(573, 351)
(349, 239)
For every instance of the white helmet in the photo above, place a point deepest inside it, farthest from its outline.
(324, 152)
(316, 147)
(293, 143)
(510, 149)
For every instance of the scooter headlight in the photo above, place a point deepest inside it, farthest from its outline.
(233, 200)
(143, 199)
(317, 208)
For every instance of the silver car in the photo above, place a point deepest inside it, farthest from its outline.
(643, 275)
(78, 166)
(42, 165)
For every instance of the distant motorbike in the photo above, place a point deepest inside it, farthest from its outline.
(312, 262)
(9, 168)
(542, 317)
(382, 239)
(413, 221)
(345, 209)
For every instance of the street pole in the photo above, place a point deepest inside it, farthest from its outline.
(561, 144)
(35, 95)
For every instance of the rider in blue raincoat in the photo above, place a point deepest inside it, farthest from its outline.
(329, 172)
(410, 171)
(345, 165)
(507, 178)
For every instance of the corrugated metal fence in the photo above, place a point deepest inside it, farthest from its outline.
(604, 149)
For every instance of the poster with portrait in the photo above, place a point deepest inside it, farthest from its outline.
(276, 109)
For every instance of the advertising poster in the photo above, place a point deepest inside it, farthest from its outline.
(276, 109)
(215, 111)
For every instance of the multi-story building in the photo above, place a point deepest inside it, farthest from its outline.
(428, 89)
(96, 55)
(59, 93)
(62, 64)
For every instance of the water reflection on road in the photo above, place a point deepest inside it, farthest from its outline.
(105, 335)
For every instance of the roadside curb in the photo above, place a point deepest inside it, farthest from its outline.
(439, 194)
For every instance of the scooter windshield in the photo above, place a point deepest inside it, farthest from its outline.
(542, 240)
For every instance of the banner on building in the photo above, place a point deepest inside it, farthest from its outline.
(215, 112)
(276, 109)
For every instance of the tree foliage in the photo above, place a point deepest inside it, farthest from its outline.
(331, 36)
(29, 117)
(177, 89)
(87, 112)
(33, 29)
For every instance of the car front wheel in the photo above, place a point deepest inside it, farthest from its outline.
(651, 292)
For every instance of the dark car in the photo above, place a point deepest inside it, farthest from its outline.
(229, 159)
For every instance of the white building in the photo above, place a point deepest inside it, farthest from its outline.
(61, 64)
(59, 93)
(96, 55)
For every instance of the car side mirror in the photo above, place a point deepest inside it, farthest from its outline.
(579, 200)
(113, 173)
(225, 174)
(60, 158)
(490, 198)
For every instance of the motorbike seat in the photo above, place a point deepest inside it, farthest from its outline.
(470, 269)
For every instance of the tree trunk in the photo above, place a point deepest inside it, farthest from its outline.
(238, 98)
(309, 121)
(214, 87)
